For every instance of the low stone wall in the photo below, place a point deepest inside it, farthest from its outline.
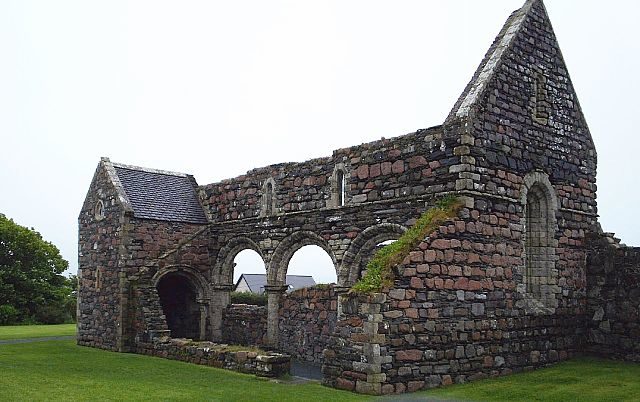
(267, 364)
(613, 277)
(307, 318)
(244, 324)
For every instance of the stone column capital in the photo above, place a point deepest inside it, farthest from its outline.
(275, 288)
(222, 287)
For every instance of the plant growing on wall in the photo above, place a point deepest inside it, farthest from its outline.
(379, 272)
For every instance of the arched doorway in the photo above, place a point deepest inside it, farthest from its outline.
(178, 297)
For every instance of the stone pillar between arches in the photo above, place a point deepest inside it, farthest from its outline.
(274, 293)
(220, 299)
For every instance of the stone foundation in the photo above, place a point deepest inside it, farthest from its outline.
(262, 364)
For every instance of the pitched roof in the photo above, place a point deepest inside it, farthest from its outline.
(257, 282)
(160, 195)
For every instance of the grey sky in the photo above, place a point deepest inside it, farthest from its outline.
(215, 88)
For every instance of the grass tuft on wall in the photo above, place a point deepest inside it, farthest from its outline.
(379, 271)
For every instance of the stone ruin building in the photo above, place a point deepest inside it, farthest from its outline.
(521, 278)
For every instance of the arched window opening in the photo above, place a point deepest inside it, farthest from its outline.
(539, 246)
(340, 187)
(540, 103)
(249, 273)
(268, 200)
(98, 278)
(310, 263)
(178, 298)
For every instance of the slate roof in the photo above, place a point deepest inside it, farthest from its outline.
(160, 195)
(256, 282)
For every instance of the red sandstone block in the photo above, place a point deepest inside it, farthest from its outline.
(404, 303)
(448, 284)
(409, 272)
(409, 355)
(416, 256)
(416, 283)
(462, 283)
(374, 170)
(441, 244)
(438, 283)
(430, 282)
(411, 313)
(422, 268)
(417, 161)
(430, 255)
(432, 313)
(342, 383)
(455, 270)
(446, 380)
(473, 258)
(385, 168)
(474, 285)
(397, 167)
(363, 171)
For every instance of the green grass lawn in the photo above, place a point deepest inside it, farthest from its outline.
(583, 379)
(60, 370)
(36, 331)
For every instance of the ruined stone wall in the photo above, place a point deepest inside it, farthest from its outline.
(411, 165)
(244, 324)
(100, 245)
(151, 241)
(455, 314)
(251, 361)
(613, 315)
(307, 318)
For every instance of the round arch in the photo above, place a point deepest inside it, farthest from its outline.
(183, 293)
(200, 283)
(223, 272)
(362, 245)
(277, 271)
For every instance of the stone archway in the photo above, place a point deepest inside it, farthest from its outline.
(277, 273)
(222, 280)
(184, 299)
(362, 247)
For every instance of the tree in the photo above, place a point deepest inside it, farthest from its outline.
(32, 287)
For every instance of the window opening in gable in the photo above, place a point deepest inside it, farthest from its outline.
(541, 105)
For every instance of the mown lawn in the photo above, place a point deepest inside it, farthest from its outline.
(60, 370)
(63, 371)
(582, 379)
(36, 331)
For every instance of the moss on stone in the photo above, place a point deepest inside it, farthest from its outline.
(379, 270)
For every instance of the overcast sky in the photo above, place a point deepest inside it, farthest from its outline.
(215, 88)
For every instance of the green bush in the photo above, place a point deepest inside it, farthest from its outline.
(8, 314)
(249, 298)
(379, 270)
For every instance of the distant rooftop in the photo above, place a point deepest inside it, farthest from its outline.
(257, 282)
(161, 195)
